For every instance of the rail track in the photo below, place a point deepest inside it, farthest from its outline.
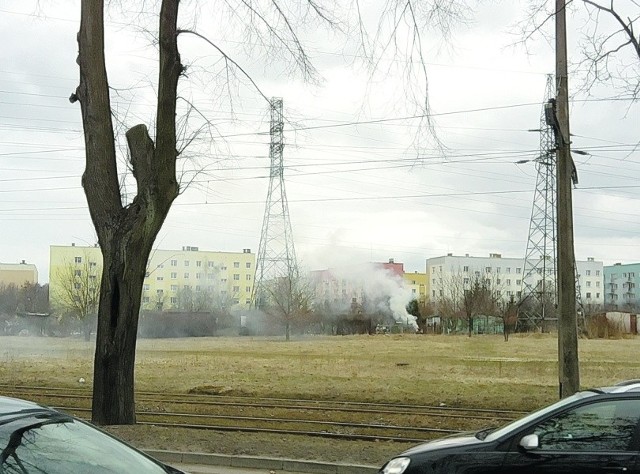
(326, 418)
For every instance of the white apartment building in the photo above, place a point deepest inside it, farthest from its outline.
(506, 275)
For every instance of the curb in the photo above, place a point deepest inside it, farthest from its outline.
(255, 462)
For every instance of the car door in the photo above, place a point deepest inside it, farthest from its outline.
(597, 437)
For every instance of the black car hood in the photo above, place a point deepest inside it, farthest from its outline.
(462, 439)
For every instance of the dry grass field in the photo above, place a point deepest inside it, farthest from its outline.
(481, 371)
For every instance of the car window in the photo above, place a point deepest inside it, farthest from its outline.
(601, 426)
(64, 445)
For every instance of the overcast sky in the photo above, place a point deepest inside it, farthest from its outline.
(357, 191)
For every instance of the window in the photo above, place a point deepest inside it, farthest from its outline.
(509, 293)
(145, 299)
(210, 276)
(174, 300)
(466, 281)
(198, 275)
(587, 272)
(597, 284)
(433, 293)
(174, 287)
(236, 276)
(236, 264)
(508, 269)
(210, 264)
(247, 301)
(199, 263)
(597, 295)
(77, 286)
(498, 270)
(518, 270)
(174, 275)
(247, 289)
(433, 269)
(597, 272)
(518, 282)
(145, 287)
(186, 275)
(78, 259)
(508, 281)
(602, 426)
(92, 264)
(187, 287)
(248, 264)
(487, 270)
(77, 273)
(588, 284)
(498, 281)
(236, 289)
(248, 277)
(159, 278)
(198, 288)
(588, 295)
(159, 292)
(236, 301)
(186, 263)
(174, 263)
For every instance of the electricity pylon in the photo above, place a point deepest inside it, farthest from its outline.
(276, 253)
(538, 300)
(538, 295)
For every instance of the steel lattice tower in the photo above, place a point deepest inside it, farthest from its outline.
(276, 254)
(539, 282)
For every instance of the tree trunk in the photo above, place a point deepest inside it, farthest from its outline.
(125, 233)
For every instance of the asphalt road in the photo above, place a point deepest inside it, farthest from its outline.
(208, 469)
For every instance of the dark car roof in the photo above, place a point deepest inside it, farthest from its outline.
(12, 405)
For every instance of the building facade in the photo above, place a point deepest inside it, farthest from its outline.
(189, 279)
(18, 274)
(621, 282)
(449, 273)
(417, 283)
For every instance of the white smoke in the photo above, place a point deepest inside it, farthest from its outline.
(380, 287)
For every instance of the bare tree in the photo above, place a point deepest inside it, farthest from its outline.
(77, 292)
(126, 228)
(288, 300)
(609, 41)
(611, 45)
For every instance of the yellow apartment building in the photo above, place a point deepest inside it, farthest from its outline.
(18, 274)
(187, 279)
(418, 284)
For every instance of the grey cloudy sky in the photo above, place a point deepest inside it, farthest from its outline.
(356, 190)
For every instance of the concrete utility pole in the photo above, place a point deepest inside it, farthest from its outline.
(568, 366)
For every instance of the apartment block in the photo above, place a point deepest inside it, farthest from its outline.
(186, 279)
(505, 275)
(621, 282)
(18, 274)
(418, 284)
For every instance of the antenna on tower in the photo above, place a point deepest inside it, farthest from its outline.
(276, 254)
(538, 293)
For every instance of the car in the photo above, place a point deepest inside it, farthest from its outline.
(592, 431)
(39, 439)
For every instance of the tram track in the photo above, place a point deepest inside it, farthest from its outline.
(326, 418)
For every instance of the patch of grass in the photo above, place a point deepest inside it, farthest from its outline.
(481, 371)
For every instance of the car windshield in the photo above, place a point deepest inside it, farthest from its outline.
(507, 429)
(52, 443)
